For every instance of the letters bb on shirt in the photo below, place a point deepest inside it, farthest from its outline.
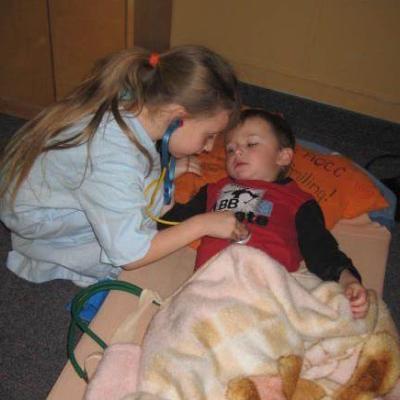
(269, 210)
(237, 198)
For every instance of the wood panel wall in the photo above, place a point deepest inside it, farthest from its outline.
(340, 52)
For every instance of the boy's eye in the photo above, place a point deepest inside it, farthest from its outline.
(252, 144)
(230, 150)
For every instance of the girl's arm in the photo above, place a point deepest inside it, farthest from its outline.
(222, 225)
(181, 212)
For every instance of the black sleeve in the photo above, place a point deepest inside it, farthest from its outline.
(180, 212)
(318, 246)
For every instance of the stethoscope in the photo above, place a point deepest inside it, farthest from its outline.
(167, 175)
(168, 161)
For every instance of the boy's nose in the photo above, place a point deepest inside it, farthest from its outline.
(239, 150)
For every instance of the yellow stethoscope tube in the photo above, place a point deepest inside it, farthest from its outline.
(156, 184)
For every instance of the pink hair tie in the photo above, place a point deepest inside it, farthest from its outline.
(154, 59)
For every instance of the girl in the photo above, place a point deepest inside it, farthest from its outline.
(73, 179)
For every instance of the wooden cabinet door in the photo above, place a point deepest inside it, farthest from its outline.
(48, 46)
(82, 31)
(26, 83)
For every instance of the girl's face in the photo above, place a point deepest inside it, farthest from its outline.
(197, 134)
(253, 152)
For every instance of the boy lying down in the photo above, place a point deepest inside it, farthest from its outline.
(283, 221)
(243, 327)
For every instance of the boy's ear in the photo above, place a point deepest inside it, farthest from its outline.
(285, 157)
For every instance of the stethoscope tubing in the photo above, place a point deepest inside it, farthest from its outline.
(168, 161)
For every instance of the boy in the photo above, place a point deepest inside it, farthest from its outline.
(282, 220)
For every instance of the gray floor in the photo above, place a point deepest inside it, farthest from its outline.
(33, 317)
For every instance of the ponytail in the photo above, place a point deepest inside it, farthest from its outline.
(191, 76)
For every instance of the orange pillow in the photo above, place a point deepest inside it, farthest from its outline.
(341, 188)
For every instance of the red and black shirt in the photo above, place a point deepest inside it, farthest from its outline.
(284, 221)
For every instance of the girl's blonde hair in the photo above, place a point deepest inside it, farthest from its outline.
(191, 76)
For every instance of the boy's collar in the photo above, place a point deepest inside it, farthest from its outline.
(281, 181)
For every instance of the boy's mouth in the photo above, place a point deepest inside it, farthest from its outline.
(240, 164)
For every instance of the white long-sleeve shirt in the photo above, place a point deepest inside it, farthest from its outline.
(82, 221)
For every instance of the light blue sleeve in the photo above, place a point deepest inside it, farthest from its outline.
(112, 198)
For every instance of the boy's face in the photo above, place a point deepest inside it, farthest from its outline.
(252, 152)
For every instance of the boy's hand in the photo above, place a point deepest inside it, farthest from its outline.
(356, 294)
(358, 297)
(187, 164)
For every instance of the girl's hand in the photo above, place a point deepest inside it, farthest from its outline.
(358, 298)
(187, 164)
(223, 225)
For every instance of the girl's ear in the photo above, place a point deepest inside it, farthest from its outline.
(285, 157)
(175, 111)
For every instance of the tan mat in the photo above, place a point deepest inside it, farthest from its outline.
(365, 242)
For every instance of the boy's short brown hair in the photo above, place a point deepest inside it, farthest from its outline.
(280, 127)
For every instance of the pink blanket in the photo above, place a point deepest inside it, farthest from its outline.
(244, 328)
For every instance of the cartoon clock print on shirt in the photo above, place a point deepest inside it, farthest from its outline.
(249, 201)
